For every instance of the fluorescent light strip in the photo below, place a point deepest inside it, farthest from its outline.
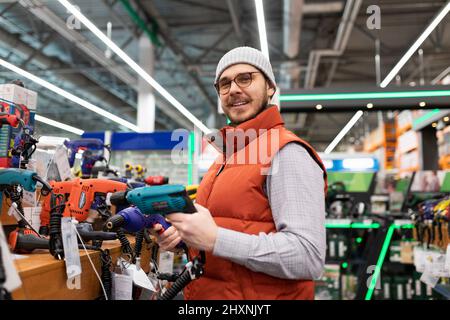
(59, 125)
(262, 28)
(441, 15)
(68, 95)
(344, 131)
(365, 95)
(152, 82)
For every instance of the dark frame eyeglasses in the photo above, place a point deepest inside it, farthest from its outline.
(242, 80)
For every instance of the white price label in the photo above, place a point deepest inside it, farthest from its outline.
(419, 259)
(70, 244)
(29, 198)
(62, 162)
(165, 264)
(438, 266)
(122, 287)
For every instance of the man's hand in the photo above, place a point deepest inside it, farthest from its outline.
(197, 230)
(168, 240)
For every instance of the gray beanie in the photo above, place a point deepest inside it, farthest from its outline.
(247, 55)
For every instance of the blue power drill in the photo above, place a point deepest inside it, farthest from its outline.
(12, 178)
(82, 144)
(24, 147)
(160, 200)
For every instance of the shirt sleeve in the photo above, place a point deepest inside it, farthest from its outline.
(295, 188)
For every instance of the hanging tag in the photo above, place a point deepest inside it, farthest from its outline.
(62, 163)
(165, 264)
(32, 214)
(12, 277)
(438, 266)
(419, 259)
(122, 286)
(70, 244)
(427, 276)
(29, 199)
(140, 278)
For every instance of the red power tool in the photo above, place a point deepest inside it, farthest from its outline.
(156, 180)
(83, 194)
(9, 119)
(59, 187)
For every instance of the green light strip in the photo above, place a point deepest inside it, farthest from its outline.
(426, 116)
(352, 225)
(365, 95)
(380, 261)
(191, 150)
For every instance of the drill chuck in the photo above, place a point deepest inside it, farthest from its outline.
(119, 198)
(114, 222)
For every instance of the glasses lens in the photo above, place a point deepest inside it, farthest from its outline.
(244, 79)
(224, 86)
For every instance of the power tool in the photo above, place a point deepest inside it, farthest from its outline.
(82, 144)
(132, 220)
(84, 193)
(9, 119)
(140, 171)
(161, 200)
(59, 187)
(26, 241)
(106, 171)
(156, 180)
(89, 159)
(192, 191)
(129, 170)
(164, 200)
(24, 147)
(13, 180)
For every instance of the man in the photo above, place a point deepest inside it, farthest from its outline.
(264, 234)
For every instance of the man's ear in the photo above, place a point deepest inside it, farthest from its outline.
(270, 89)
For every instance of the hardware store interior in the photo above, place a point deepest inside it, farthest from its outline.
(107, 112)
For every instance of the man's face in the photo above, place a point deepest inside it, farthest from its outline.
(243, 103)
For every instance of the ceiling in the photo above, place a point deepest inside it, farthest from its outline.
(194, 34)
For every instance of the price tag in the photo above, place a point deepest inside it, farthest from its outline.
(122, 286)
(139, 277)
(427, 276)
(12, 277)
(419, 259)
(29, 198)
(62, 163)
(70, 244)
(165, 264)
(438, 266)
(447, 258)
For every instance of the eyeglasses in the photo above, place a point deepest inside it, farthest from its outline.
(243, 80)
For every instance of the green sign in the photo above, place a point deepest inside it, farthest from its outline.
(353, 181)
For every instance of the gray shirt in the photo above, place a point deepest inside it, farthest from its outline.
(295, 189)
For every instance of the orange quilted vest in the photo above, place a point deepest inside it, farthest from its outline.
(232, 190)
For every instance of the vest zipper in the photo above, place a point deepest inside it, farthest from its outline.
(220, 170)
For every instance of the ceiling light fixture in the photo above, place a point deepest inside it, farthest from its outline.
(262, 28)
(58, 124)
(344, 131)
(68, 95)
(437, 19)
(133, 65)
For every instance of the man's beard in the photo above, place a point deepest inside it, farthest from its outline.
(263, 107)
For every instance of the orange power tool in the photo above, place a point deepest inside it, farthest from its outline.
(83, 194)
(59, 187)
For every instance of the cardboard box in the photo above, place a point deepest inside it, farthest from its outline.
(17, 94)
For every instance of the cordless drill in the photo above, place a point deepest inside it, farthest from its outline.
(161, 200)
(88, 161)
(84, 193)
(12, 180)
(140, 171)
